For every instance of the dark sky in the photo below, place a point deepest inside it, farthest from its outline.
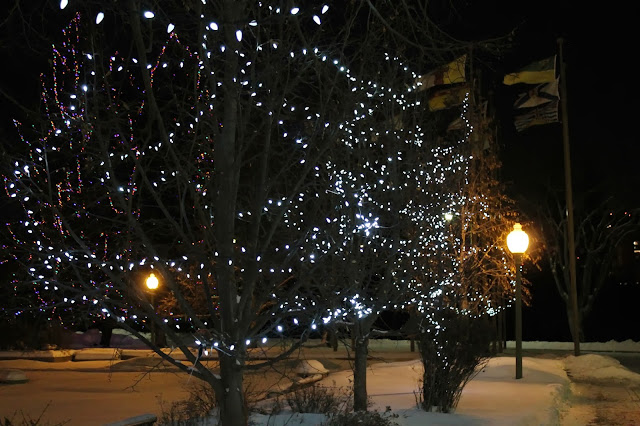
(600, 92)
(599, 50)
(600, 79)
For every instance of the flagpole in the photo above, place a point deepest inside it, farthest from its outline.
(569, 195)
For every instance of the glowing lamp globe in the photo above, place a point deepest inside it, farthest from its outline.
(152, 281)
(517, 240)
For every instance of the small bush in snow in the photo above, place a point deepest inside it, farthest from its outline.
(192, 411)
(362, 418)
(26, 420)
(319, 399)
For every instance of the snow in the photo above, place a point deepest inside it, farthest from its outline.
(493, 397)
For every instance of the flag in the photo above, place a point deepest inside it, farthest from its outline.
(539, 95)
(452, 73)
(543, 71)
(447, 98)
(542, 115)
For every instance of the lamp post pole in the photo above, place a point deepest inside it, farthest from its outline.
(518, 258)
(518, 241)
(152, 285)
(153, 323)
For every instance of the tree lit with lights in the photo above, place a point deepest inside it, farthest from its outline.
(272, 166)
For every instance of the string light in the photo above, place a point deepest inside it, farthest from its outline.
(374, 164)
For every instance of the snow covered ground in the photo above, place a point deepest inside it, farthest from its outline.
(542, 397)
(83, 393)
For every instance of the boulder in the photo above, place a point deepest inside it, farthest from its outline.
(141, 420)
(310, 367)
(12, 376)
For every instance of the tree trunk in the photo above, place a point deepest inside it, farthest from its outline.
(360, 370)
(231, 398)
(500, 332)
(106, 331)
(231, 403)
(333, 336)
(504, 330)
(571, 325)
(496, 336)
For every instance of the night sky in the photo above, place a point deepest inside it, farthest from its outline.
(598, 53)
(605, 149)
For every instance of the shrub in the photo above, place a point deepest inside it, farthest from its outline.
(192, 411)
(319, 399)
(30, 333)
(362, 418)
(26, 420)
(453, 349)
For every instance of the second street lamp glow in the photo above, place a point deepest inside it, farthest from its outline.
(152, 284)
(152, 281)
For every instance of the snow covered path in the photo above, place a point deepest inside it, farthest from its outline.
(603, 404)
(602, 392)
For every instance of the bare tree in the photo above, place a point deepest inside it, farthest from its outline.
(187, 140)
(601, 225)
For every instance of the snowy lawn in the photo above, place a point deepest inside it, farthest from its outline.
(492, 397)
(84, 393)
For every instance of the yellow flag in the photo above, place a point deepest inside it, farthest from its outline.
(452, 73)
(543, 71)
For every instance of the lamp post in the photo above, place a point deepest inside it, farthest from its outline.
(152, 284)
(518, 241)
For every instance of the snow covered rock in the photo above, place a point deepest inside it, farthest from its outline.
(310, 367)
(141, 420)
(12, 376)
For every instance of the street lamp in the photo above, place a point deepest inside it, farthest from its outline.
(152, 284)
(518, 241)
